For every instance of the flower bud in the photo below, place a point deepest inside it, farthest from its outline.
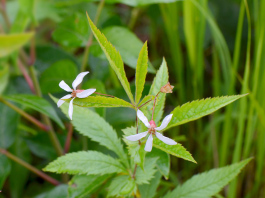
(167, 88)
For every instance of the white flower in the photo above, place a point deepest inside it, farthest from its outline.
(152, 131)
(74, 92)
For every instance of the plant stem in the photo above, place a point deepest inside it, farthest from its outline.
(155, 104)
(4, 14)
(26, 76)
(134, 15)
(68, 139)
(25, 115)
(145, 103)
(86, 53)
(29, 167)
(134, 172)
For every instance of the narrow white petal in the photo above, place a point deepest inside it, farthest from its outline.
(71, 108)
(142, 117)
(149, 144)
(165, 139)
(60, 102)
(64, 86)
(164, 122)
(137, 136)
(79, 79)
(85, 93)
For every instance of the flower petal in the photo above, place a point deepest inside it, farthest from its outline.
(164, 122)
(142, 117)
(64, 86)
(149, 144)
(71, 108)
(79, 79)
(165, 139)
(85, 93)
(137, 136)
(60, 102)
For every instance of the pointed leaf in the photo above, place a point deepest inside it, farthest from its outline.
(149, 190)
(160, 80)
(113, 57)
(39, 104)
(92, 125)
(177, 150)
(209, 183)
(143, 176)
(141, 71)
(85, 162)
(11, 42)
(100, 101)
(121, 185)
(199, 108)
(83, 185)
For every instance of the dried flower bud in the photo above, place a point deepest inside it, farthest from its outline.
(167, 88)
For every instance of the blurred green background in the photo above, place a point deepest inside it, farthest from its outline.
(213, 48)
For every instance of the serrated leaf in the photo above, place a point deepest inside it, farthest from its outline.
(100, 101)
(143, 176)
(85, 162)
(121, 185)
(113, 57)
(82, 185)
(11, 42)
(160, 80)
(121, 38)
(39, 104)
(92, 125)
(141, 71)
(209, 183)
(163, 162)
(199, 108)
(149, 190)
(136, 151)
(177, 150)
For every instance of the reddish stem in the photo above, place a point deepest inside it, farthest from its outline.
(26, 76)
(144, 103)
(68, 139)
(155, 105)
(29, 167)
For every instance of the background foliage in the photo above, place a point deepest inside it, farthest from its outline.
(212, 48)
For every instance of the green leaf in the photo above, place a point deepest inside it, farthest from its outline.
(113, 57)
(73, 31)
(20, 150)
(8, 122)
(160, 80)
(177, 150)
(121, 38)
(136, 151)
(121, 185)
(4, 75)
(39, 104)
(199, 108)
(163, 163)
(149, 190)
(138, 3)
(100, 101)
(5, 168)
(11, 42)
(140, 74)
(209, 183)
(143, 176)
(82, 185)
(92, 125)
(61, 70)
(85, 162)
(58, 192)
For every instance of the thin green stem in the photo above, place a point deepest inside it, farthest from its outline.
(25, 115)
(90, 38)
(29, 167)
(134, 15)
